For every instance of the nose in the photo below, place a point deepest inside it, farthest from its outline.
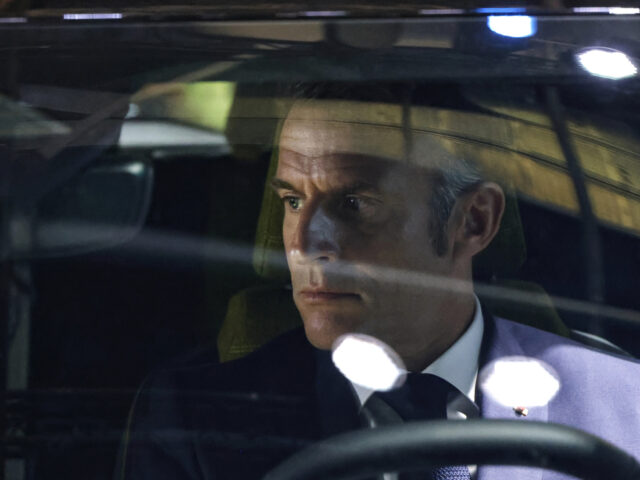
(316, 236)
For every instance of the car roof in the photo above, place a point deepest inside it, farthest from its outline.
(230, 10)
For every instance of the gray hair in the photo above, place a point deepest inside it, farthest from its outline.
(448, 185)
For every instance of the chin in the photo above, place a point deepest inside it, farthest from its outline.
(322, 330)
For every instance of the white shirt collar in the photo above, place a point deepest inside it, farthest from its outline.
(458, 365)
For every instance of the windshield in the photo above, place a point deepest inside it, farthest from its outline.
(223, 242)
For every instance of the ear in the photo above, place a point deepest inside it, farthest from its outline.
(477, 219)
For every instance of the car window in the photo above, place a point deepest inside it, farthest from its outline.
(222, 239)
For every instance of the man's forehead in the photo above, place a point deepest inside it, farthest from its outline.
(367, 169)
(322, 128)
(317, 128)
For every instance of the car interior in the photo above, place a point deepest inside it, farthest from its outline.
(144, 234)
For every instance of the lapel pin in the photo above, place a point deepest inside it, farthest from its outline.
(521, 411)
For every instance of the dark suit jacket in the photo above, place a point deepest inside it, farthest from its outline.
(238, 420)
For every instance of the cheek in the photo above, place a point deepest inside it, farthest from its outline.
(397, 243)
(400, 265)
(416, 237)
(288, 234)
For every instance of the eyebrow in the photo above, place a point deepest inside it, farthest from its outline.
(279, 184)
(358, 186)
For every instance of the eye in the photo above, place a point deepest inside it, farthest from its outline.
(292, 202)
(360, 207)
(353, 203)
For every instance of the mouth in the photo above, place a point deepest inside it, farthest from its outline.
(327, 296)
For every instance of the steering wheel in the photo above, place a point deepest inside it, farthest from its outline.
(420, 445)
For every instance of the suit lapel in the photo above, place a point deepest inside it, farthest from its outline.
(499, 343)
(335, 398)
(337, 405)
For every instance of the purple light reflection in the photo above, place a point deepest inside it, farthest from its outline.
(324, 13)
(92, 16)
(13, 20)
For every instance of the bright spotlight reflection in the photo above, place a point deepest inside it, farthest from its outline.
(368, 362)
(607, 63)
(135, 168)
(515, 26)
(624, 11)
(519, 381)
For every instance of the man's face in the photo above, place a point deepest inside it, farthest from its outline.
(356, 237)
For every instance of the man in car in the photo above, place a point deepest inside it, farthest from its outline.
(382, 222)
(368, 248)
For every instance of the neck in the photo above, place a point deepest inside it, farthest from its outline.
(454, 321)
